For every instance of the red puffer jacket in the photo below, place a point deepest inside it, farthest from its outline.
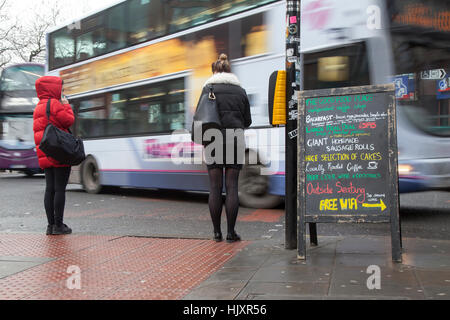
(61, 115)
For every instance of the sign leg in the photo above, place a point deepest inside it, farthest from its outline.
(301, 241)
(313, 234)
(396, 240)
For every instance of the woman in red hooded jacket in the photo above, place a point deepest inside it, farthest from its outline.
(56, 174)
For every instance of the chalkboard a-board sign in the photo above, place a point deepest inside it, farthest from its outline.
(347, 160)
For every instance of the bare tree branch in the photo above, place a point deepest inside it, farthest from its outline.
(6, 29)
(29, 41)
(23, 39)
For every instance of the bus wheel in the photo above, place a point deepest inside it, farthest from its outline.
(253, 189)
(90, 176)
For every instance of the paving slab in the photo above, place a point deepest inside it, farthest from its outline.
(13, 265)
(282, 290)
(363, 245)
(352, 281)
(216, 290)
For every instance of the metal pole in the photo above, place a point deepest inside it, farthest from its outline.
(293, 87)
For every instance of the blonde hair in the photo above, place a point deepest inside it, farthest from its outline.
(222, 64)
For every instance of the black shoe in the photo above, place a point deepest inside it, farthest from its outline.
(49, 229)
(233, 237)
(218, 236)
(64, 229)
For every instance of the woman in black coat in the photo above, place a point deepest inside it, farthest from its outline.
(234, 110)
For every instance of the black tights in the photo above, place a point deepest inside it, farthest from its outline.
(215, 200)
(55, 193)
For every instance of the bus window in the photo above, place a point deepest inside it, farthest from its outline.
(92, 40)
(251, 37)
(117, 114)
(255, 41)
(175, 106)
(421, 50)
(21, 77)
(16, 128)
(62, 48)
(116, 33)
(91, 44)
(342, 67)
(148, 20)
(186, 14)
(155, 116)
(91, 120)
(427, 97)
(156, 108)
(235, 6)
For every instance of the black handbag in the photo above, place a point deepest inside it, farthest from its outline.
(62, 146)
(206, 116)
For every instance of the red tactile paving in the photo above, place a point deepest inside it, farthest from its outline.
(83, 213)
(263, 215)
(112, 268)
(110, 215)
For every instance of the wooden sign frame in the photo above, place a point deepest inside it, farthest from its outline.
(392, 216)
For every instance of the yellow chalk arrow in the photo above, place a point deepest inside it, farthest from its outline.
(375, 205)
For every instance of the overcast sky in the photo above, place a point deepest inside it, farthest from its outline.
(71, 9)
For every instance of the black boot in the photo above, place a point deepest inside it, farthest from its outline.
(49, 229)
(59, 230)
(233, 237)
(218, 236)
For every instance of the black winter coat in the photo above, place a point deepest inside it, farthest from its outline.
(234, 109)
(232, 100)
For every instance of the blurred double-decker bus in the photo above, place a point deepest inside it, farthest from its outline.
(17, 102)
(133, 73)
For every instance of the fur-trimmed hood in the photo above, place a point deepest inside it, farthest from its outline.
(223, 78)
(232, 100)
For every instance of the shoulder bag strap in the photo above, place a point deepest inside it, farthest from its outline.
(48, 109)
(49, 113)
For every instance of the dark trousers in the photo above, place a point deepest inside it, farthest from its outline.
(55, 193)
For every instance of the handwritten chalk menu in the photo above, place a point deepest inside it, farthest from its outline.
(348, 155)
